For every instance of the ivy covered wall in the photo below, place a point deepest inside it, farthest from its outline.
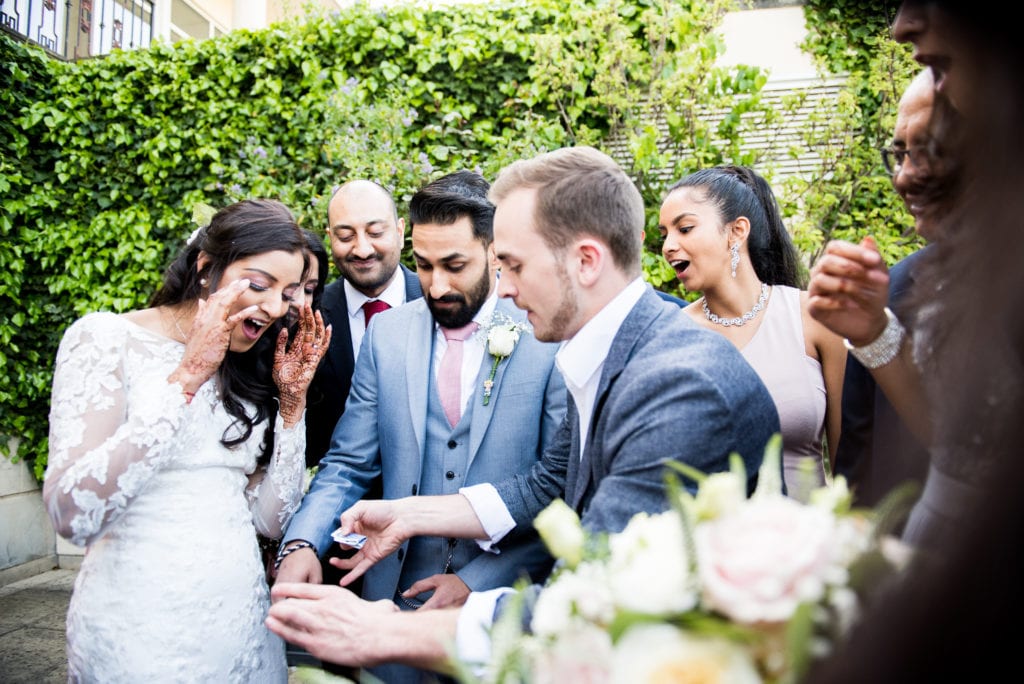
(104, 161)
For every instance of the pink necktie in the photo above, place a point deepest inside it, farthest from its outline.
(372, 308)
(449, 383)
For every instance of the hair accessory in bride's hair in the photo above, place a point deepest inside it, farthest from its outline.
(202, 215)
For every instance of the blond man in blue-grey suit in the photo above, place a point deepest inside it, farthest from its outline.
(394, 423)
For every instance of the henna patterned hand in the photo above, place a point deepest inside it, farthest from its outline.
(294, 367)
(208, 339)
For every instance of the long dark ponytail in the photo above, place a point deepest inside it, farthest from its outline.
(740, 191)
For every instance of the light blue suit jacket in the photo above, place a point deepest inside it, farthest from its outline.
(383, 431)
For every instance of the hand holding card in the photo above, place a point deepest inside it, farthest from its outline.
(351, 540)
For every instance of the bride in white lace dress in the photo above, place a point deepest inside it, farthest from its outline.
(172, 443)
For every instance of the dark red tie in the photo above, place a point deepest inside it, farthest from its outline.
(373, 307)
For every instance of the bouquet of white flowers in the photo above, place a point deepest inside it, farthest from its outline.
(720, 588)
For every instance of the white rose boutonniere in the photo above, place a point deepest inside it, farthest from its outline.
(502, 335)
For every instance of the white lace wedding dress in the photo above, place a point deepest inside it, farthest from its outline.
(172, 587)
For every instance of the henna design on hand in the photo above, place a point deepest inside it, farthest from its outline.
(294, 367)
(209, 336)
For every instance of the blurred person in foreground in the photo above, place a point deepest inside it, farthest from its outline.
(954, 381)
(962, 598)
(878, 452)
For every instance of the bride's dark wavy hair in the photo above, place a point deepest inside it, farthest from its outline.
(239, 231)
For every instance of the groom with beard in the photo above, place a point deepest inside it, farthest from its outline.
(433, 410)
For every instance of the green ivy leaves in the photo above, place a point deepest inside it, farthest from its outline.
(105, 161)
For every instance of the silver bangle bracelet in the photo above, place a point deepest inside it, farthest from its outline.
(886, 346)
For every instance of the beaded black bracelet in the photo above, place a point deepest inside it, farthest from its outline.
(292, 548)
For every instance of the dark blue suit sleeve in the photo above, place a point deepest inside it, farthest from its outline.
(528, 494)
(857, 421)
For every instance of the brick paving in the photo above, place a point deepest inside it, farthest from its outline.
(32, 640)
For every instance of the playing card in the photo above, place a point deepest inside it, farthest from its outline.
(354, 540)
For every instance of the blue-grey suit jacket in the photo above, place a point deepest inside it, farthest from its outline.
(669, 389)
(383, 429)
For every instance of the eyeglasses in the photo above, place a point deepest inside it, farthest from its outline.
(894, 158)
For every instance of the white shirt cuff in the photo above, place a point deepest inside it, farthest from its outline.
(492, 513)
(473, 630)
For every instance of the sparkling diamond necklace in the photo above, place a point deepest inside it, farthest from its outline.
(739, 320)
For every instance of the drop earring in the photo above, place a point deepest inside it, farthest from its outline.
(734, 250)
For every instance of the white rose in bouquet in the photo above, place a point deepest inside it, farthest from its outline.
(581, 655)
(560, 529)
(719, 494)
(571, 597)
(760, 562)
(656, 653)
(832, 498)
(649, 568)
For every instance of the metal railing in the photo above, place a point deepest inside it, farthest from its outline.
(75, 29)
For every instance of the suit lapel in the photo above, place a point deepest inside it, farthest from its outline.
(481, 416)
(573, 482)
(413, 290)
(417, 369)
(335, 312)
(634, 328)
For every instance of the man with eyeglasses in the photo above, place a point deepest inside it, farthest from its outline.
(878, 452)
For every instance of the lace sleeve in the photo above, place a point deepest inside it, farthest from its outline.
(108, 432)
(275, 490)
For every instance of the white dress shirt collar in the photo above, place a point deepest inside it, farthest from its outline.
(581, 358)
(393, 294)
